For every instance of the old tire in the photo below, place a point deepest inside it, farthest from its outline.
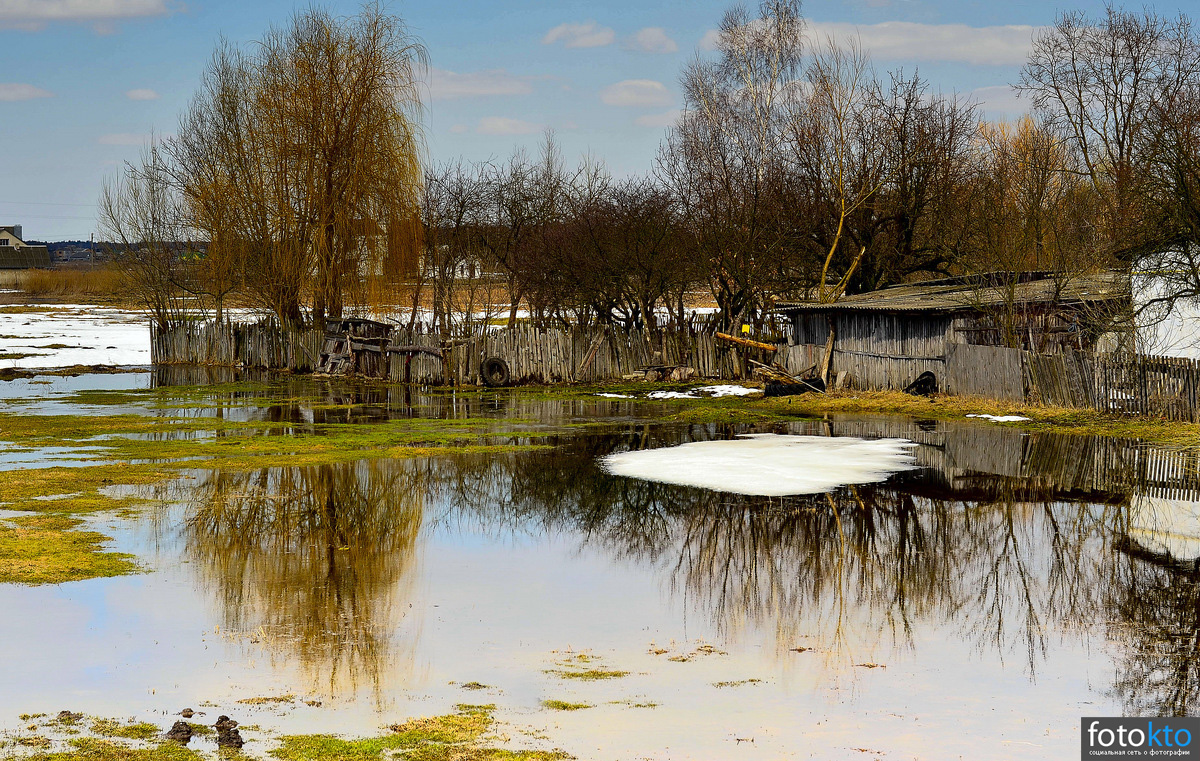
(495, 372)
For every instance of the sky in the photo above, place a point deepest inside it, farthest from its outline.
(85, 83)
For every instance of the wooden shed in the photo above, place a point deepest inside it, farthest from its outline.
(964, 330)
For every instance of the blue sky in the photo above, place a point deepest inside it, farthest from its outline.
(84, 82)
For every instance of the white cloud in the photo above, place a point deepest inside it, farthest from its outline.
(637, 93)
(34, 14)
(907, 41)
(449, 85)
(123, 138)
(658, 121)
(585, 35)
(652, 39)
(503, 125)
(1001, 101)
(141, 94)
(18, 91)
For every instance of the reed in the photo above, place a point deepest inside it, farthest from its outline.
(92, 283)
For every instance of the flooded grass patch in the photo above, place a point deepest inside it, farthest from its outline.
(119, 456)
(268, 700)
(50, 549)
(467, 734)
(588, 675)
(129, 731)
(93, 749)
(460, 736)
(563, 705)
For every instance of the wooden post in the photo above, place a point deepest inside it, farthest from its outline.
(828, 355)
(591, 355)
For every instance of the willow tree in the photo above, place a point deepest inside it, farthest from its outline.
(301, 161)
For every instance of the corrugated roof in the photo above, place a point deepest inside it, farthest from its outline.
(27, 257)
(965, 294)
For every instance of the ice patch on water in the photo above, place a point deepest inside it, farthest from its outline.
(767, 464)
(998, 418)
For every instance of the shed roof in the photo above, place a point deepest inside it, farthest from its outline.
(978, 292)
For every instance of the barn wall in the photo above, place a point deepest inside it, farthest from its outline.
(878, 350)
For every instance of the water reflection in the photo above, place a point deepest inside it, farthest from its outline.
(850, 570)
(315, 562)
(1002, 540)
(1156, 617)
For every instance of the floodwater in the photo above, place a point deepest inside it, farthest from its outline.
(974, 601)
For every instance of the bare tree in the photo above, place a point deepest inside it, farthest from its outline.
(832, 134)
(722, 162)
(143, 216)
(1102, 82)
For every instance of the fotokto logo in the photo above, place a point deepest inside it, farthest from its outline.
(1140, 737)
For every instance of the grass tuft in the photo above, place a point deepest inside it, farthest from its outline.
(562, 705)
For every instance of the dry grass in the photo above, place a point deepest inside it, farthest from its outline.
(104, 284)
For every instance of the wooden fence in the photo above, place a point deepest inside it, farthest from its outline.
(1155, 386)
(258, 345)
(533, 356)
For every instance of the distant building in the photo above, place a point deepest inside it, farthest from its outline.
(16, 254)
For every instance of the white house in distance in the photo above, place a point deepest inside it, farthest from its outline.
(16, 254)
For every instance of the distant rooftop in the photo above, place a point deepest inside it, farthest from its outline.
(977, 292)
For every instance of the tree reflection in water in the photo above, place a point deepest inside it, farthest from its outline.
(1156, 602)
(314, 561)
(849, 570)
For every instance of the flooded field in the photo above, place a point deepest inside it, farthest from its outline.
(970, 594)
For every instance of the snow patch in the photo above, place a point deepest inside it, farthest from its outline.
(767, 464)
(79, 335)
(703, 391)
(998, 418)
(615, 396)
